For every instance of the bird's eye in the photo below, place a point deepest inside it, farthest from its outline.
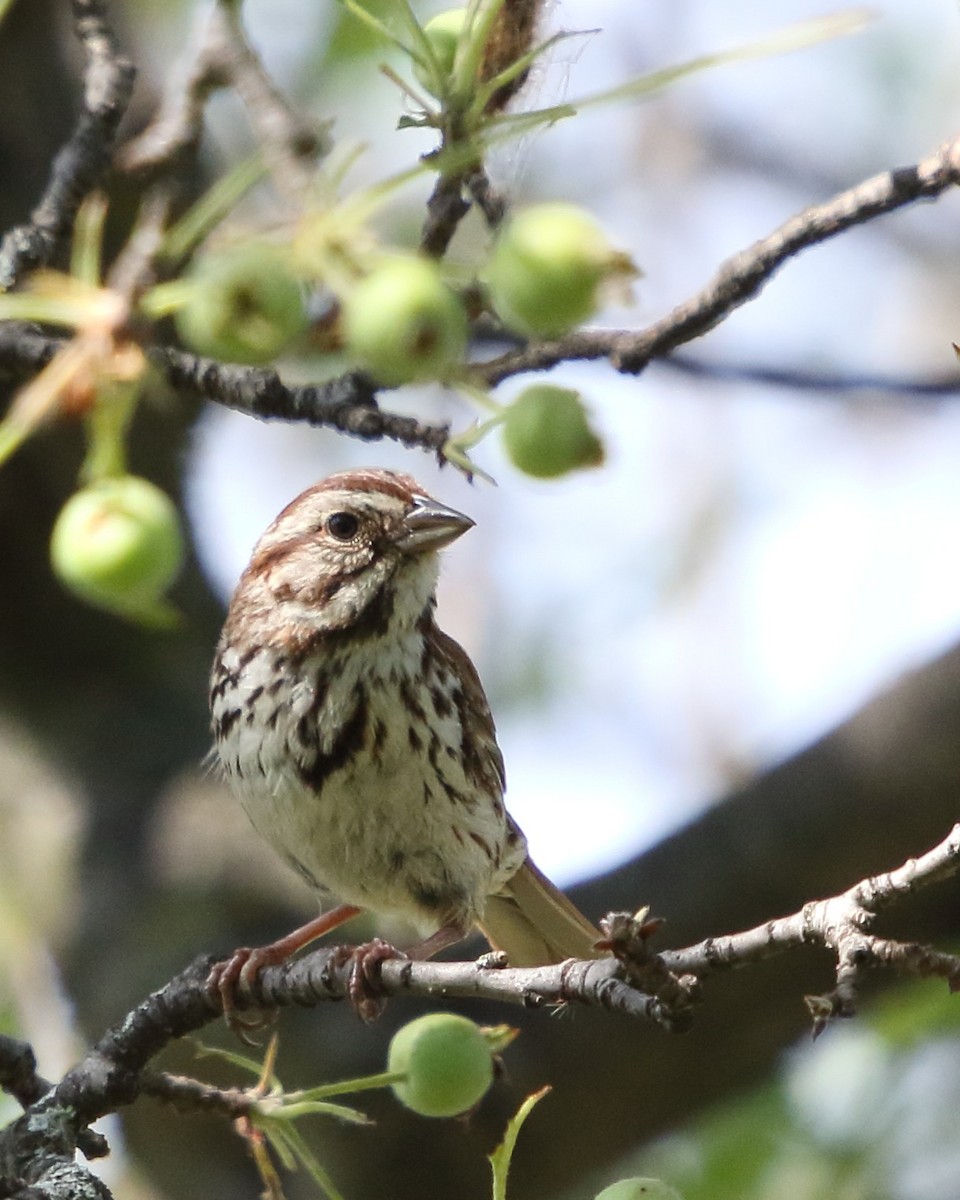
(342, 525)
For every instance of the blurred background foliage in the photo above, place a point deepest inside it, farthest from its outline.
(668, 642)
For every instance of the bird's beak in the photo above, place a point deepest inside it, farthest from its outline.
(430, 525)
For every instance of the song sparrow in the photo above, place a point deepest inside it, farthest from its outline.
(358, 737)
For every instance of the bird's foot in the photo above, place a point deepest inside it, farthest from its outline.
(243, 966)
(364, 985)
(238, 972)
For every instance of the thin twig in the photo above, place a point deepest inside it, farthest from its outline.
(491, 203)
(223, 57)
(192, 1095)
(290, 144)
(446, 208)
(82, 162)
(741, 277)
(840, 923)
(827, 383)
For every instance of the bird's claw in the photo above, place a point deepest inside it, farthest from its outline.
(364, 985)
(225, 981)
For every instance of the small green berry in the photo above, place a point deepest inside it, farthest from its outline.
(243, 304)
(443, 32)
(546, 269)
(546, 432)
(639, 1189)
(402, 323)
(117, 544)
(447, 1061)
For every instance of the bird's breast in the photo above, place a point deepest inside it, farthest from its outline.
(360, 776)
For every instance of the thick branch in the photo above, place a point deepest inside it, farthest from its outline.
(19, 1079)
(80, 165)
(347, 404)
(114, 1073)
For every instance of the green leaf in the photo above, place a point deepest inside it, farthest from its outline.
(212, 207)
(360, 30)
(500, 1159)
(292, 1151)
(88, 239)
(292, 1110)
(783, 41)
(235, 1058)
(364, 1083)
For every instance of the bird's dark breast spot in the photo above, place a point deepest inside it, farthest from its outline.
(442, 704)
(484, 846)
(225, 722)
(411, 702)
(317, 768)
(223, 681)
(455, 795)
(308, 723)
(374, 618)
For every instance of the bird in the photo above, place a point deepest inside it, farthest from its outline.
(359, 740)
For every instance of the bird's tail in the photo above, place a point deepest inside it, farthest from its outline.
(534, 923)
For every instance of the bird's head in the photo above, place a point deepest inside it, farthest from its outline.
(356, 552)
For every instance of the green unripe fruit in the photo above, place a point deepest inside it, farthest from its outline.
(546, 432)
(546, 269)
(402, 323)
(242, 305)
(639, 1189)
(117, 544)
(447, 1061)
(443, 33)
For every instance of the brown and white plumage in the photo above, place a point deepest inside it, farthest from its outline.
(357, 734)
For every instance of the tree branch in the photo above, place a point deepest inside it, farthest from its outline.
(839, 923)
(19, 1079)
(39, 1144)
(223, 57)
(826, 382)
(192, 1095)
(741, 277)
(347, 404)
(82, 162)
